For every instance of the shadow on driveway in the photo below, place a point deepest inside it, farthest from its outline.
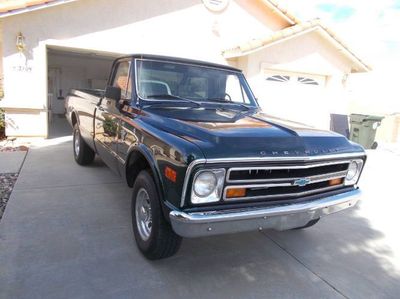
(67, 233)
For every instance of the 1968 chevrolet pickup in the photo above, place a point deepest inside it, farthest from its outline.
(202, 157)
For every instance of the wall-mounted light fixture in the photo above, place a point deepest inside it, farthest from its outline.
(20, 43)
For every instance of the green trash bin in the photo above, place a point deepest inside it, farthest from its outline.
(363, 129)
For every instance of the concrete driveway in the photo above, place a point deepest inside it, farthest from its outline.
(66, 233)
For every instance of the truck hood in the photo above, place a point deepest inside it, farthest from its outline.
(225, 133)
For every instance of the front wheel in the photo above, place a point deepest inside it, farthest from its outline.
(154, 235)
(83, 154)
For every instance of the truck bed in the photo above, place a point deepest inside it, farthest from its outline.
(83, 103)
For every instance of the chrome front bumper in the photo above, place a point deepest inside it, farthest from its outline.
(282, 217)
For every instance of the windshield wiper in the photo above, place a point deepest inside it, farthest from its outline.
(222, 100)
(171, 96)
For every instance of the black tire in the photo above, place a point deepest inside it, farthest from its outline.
(161, 241)
(83, 154)
(309, 224)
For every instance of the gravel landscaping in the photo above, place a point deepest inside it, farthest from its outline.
(10, 164)
(7, 181)
(13, 148)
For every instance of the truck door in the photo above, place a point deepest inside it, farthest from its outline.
(129, 134)
(107, 119)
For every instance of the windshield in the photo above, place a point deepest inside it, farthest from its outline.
(169, 81)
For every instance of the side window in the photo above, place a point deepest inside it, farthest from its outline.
(235, 90)
(122, 80)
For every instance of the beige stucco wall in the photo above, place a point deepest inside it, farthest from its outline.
(182, 28)
(1, 55)
(304, 54)
(372, 94)
(389, 130)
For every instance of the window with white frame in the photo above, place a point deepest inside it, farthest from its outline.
(278, 78)
(308, 81)
(295, 78)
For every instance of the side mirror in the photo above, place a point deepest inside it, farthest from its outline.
(113, 93)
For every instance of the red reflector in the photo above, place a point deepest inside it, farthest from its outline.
(170, 174)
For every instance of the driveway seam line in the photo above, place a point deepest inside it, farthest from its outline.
(305, 266)
(23, 162)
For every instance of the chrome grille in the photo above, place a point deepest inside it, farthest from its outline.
(277, 182)
(279, 173)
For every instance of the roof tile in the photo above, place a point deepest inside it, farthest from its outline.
(10, 5)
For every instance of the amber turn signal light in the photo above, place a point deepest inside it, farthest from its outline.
(170, 174)
(335, 182)
(235, 192)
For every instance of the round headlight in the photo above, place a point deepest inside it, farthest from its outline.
(352, 172)
(205, 184)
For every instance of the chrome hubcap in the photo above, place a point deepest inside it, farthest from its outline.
(143, 214)
(76, 142)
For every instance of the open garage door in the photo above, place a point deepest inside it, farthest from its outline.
(70, 69)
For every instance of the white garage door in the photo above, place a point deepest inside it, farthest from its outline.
(295, 96)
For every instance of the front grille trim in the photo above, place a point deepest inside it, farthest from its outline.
(290, 181)
(270, 159)
(284, 167)
(319, 179)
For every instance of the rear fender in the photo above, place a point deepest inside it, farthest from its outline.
(74, 118)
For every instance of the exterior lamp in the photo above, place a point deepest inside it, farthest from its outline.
(20, 43)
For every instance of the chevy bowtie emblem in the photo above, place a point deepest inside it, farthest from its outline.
(301, 182)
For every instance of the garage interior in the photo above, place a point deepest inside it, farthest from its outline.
(72, 69)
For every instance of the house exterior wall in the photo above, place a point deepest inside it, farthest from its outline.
(183, 28)
(1, 60)
(312, 56)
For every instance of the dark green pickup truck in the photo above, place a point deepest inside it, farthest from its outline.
(201, 156)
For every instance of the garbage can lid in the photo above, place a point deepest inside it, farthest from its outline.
(357, 118)
(374, 118)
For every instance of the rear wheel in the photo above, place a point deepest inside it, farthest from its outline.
(309, 224)
(154, 235)
(83, 154)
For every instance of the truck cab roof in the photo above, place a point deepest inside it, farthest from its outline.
(179, 60)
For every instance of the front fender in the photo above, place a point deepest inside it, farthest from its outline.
(145, 152)
(161, 149)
